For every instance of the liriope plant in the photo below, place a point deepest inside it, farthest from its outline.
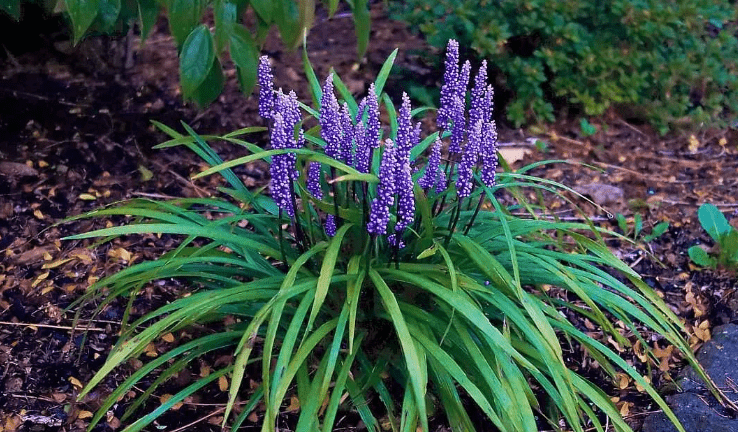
(377, 280)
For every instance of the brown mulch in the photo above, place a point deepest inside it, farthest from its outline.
(75, 135)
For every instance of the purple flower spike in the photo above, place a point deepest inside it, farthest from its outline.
(463, 82)
(281, 168)
(479, 96)
(313, 180)
(363, 151)
(330, 225)
(489, 103)
(405, 196)
(448, 89)
(430, 177)
(442, 182)
(404, 128)
(347, 136)
(489, 153)
(330, 120)
(266, 88)
(468, 161)
(458, 116)
(392, 239)
(372, 121)
(379, 214)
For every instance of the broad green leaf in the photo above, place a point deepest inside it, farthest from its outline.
(287, 17)
(713, 221)
(82, 13)
(196, 59)
(108, 14)
(148, 14)
(245, 54)
(332, 7)
(11, 7)
(700, 257)
(211, 88)
(264, 8)
(307, 15)
(184, 15)
(659, 229)
(225, 14)
(362, 26)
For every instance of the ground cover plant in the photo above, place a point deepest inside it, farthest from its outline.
(665, 62)
(724, 236)
(373, 273)
(200, 50)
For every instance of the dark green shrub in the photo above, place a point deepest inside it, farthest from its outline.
(201, 74)
(670, 62)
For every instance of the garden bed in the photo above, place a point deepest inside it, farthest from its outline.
(76, 137)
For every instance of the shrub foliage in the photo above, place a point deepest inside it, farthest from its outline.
(199, 47)
(668, 61)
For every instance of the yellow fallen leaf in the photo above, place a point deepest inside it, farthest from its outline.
(513, 154)
(223, 383)
(623, 380)
(168, 338)
(294, 404)
(39, 279)
(694, 144)
(639, 387)
(84, 414)
(87, 197)
(150, 350)
(75, 382)
(37, 213)
(56, 263)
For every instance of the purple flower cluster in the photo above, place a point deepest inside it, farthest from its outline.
(367, 137)
(407, 137)
(448, 89)
(284, 110)
(481, 139)
(352, 138)
(432, 176)
(266, 88)
(330, 120)
(380, 211)
(313, 180)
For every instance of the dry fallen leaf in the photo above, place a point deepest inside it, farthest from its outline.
(223, 383)
(513, 154)
(75, 382)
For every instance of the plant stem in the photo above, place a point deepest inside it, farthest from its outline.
(455, 220)
(281, 241)
(474, 216)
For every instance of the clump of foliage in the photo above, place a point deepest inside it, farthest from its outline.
(724, 235)
(371, 273)
(635, 231)
(200, 50)
(667, 62)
